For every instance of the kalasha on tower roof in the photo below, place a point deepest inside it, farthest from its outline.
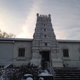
(42, 15)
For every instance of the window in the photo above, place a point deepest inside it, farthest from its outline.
(45, 36)
(21, 52)
(45, 44)
(65, 53)
(44, 29)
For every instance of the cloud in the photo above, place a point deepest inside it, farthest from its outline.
(66, 21)
(20, 17)
(77, 2)
(11, 20)
(28, 27)
(9, 23)
(65, 27)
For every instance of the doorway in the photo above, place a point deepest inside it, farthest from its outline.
(45, 55)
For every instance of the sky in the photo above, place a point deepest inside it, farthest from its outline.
(19, 17)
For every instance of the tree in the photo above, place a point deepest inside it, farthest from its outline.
(6, 35)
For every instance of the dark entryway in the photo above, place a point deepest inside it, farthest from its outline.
(45, 55)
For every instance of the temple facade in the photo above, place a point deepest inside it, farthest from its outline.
(44, 45)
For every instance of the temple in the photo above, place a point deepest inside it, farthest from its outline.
(44, 45)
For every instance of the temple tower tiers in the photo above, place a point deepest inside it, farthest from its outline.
(44, 43)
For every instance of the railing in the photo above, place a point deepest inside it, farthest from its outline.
(50, 69)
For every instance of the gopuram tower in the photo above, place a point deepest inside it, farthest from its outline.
(44, 43)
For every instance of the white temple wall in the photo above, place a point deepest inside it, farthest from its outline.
(22, 60)
(9, 53)
(6, 52)
(74, 54)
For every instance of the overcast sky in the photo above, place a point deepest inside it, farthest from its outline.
(19, 17)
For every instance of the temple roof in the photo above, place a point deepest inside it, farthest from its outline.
(30, 40)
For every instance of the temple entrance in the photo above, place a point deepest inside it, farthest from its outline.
(45, 55)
